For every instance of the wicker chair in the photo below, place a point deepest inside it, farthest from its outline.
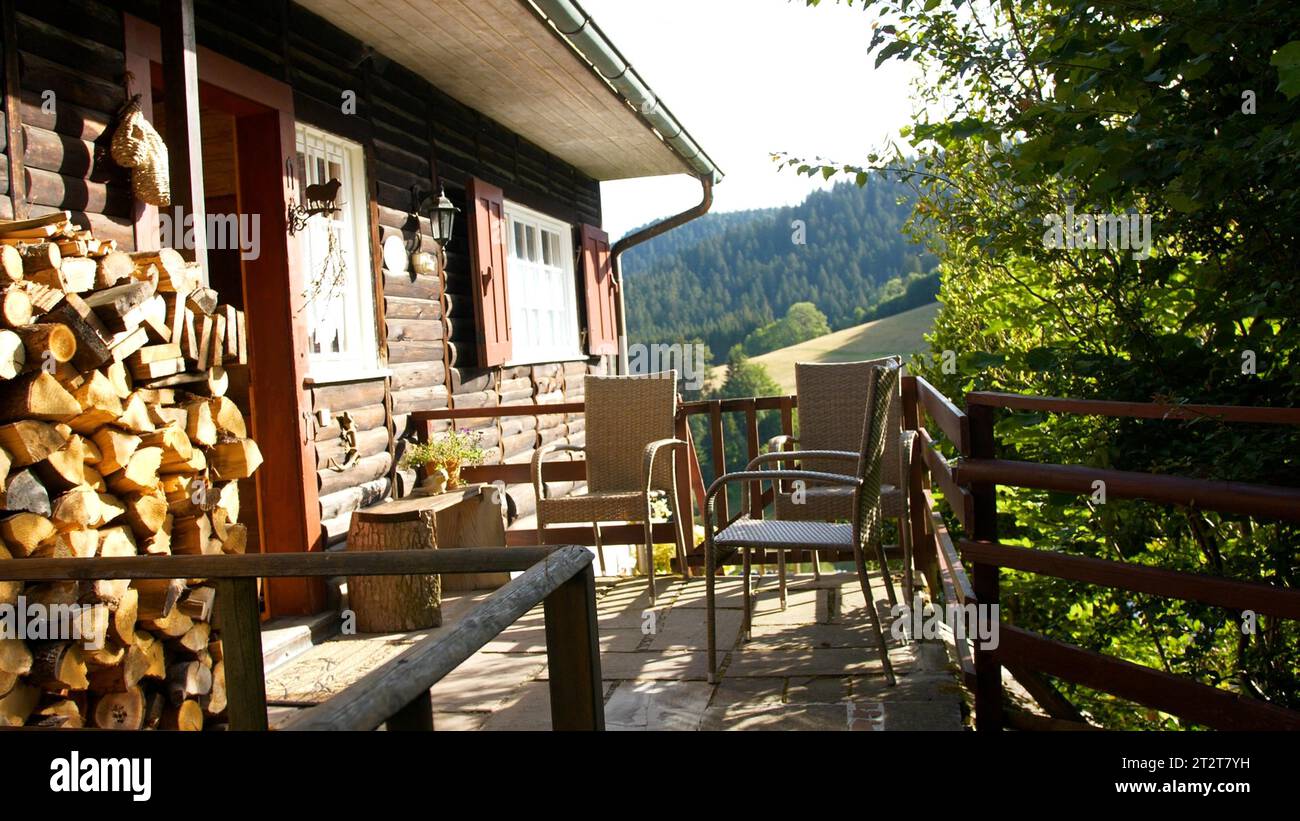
(832, 407)
(629, 423)
(861, 534)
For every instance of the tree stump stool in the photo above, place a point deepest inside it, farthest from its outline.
(391, 604)
(465, 517)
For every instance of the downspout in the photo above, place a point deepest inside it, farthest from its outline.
(650, 232)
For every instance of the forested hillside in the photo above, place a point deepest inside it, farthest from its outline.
(724, 275)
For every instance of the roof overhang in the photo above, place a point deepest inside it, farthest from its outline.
(539, 68)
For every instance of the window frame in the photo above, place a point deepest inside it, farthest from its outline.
(361, 323)
(525, 351)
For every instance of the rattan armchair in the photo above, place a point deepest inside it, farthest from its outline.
(832, 408)
(860, 534)
(630, 452)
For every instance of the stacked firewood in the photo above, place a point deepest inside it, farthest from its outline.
(116, 439)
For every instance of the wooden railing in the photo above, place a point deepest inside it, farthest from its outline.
(397, 693)
(966, 569)
(690, 480)
(933, 551)
(970, 487)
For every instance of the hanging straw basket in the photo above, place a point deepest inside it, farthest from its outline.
(136, 145)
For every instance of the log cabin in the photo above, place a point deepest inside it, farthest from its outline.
(357, 315)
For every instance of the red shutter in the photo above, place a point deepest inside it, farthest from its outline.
(487, 242)
(602, 297)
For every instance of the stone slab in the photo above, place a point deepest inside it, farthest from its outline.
(657, 705)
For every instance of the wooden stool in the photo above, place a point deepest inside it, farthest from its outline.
(465, 517)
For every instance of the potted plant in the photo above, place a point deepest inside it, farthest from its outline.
(438, 463)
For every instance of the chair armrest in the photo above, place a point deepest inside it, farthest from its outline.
(779, 442)
(652, 450)
(539, 487)
(769, 475)
(795, 455)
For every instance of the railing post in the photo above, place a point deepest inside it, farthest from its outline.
(925, 550)
(988, 672)
(751, 436)
(237, 616)
(787, 429)
(985, 524)
(719, 456)
(417, 716)
(984, 581)
(755, 506)
(573, 655)
(925, 547)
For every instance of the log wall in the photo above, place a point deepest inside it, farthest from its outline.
(70, 68)
(413, 134)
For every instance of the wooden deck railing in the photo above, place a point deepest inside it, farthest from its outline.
(935, 555)
(970, 487)
(966, 569)
(690, 481)
(397, 693)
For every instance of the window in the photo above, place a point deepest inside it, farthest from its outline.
(335, 248)
(543, 303)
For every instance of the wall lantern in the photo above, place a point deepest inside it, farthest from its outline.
(441, 213)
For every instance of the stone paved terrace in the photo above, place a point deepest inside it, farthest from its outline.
(808, 667)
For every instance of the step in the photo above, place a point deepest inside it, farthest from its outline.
(284, 639)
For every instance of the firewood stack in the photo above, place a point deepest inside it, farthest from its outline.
(116, 439)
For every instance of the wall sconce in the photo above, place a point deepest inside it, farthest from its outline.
(441, 213)
(320, 199)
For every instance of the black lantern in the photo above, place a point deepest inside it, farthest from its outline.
(441, 213)
(443, 218)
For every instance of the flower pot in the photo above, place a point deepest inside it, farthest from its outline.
(453, 476)
(434, 480)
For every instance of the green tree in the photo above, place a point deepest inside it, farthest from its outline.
(1180, 111)
(801, 322)
(746, 377)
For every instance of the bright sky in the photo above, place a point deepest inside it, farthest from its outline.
(747, 78)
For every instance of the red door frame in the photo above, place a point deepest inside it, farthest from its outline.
(288, 502)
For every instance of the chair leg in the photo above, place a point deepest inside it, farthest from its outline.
(600, 547)
(865, 581)
(884, 572)
(747, 599)
(780, 571)
(711, 641)
(905, 539)
(650, 555)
